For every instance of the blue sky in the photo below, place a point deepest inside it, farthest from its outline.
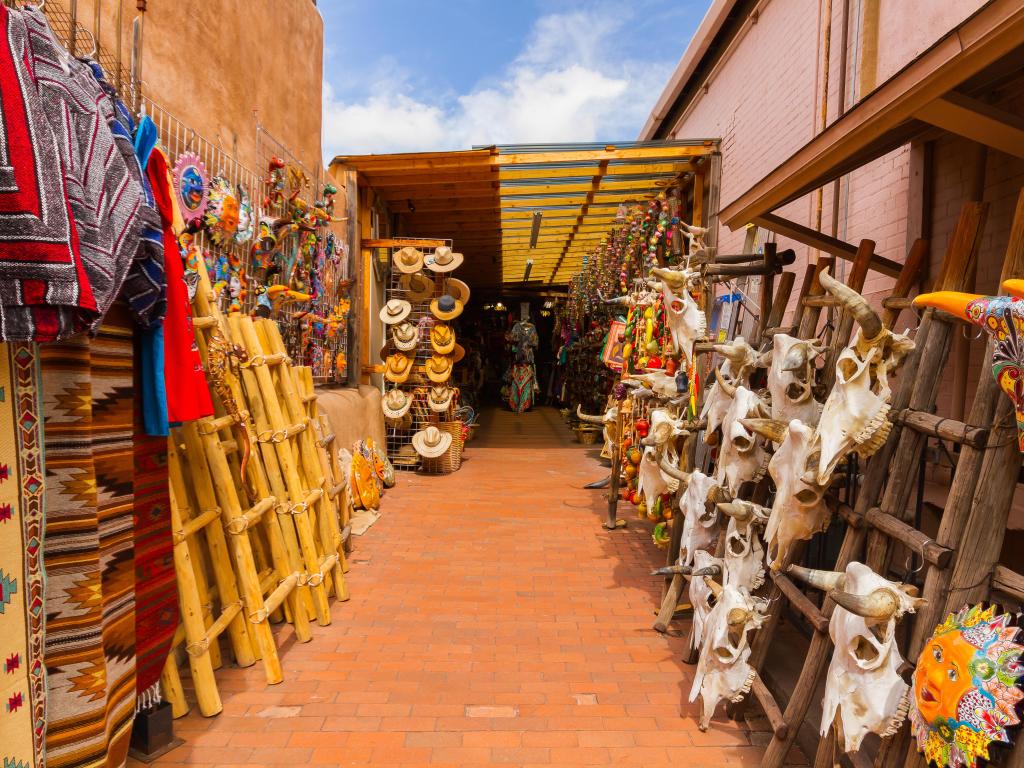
(403, 76)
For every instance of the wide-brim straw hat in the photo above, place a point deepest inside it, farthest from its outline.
(408, 260)
(398, 368)
(442, 338)
(439, 398)
(443, 259)
(405, 337)
(417, 286)
(446, 308)
(458, 353)
(431, 442)
(458, 290)
(395, 311)
(438, 368)
(396, 403)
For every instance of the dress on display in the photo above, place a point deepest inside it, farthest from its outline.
(522, 386)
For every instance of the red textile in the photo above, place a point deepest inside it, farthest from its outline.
(188, 397)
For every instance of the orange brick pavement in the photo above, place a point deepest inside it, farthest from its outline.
(492, 622)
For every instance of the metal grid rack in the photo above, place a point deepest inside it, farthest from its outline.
(417, 384)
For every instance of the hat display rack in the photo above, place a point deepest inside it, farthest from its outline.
(412, 281)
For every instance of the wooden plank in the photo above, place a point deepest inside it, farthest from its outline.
(894, 528)
(636, 168)
(981, 40)
(977, 121)
(801, 602)
(826, 243)
(415, 242)
(1007, 581)
(610, 153)
(771, 709)
(942, 428)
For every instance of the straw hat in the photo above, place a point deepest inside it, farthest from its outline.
(443, 260)
(395, 311)
(408, 260)
(396, 403)
(438, 368)
(442, 338)
(417, 286)
(405, 336)
(431, 442)
(458, 289)
(398, 368)
(458, 353)
(446, 308)
(364, 483)
(439, 398)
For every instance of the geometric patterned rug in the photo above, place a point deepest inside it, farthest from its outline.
(88, 548)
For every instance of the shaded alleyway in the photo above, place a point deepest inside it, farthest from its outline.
(492, 621)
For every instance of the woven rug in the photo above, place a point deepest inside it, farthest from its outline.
(22, 683)
(90, 568)
(156, 591)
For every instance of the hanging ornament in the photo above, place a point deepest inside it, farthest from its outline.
(190, 186)
(222, 212)
(246, 218)
(965, 687)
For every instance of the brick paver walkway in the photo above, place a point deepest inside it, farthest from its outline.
(492, 621)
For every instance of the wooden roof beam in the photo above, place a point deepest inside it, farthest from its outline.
(603, 155)
(977, 121)
(838, 248)
(595, 184)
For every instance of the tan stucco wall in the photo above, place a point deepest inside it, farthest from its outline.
(212, 63)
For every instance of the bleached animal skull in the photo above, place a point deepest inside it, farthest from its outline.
(799, 509)
(863, 683)
(723, 670)
(740, 362)
(742, 456)
(791, 377)
(651, 482)
(661, 384)
(608, 421)
(701, 596)
(744, 554)
(685, 319)
(700, 514)
(855, 415)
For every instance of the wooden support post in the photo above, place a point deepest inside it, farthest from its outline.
(844, 320)
(807, 317)
(779, 304)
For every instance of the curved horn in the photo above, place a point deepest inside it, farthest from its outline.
(862, 312)
(953, 302)
(671, 570)
(714, 586)
(678, 474)
(736, 510)
(880, 604)
(732, 351)
(587, 417)
(670, 276)
(774, 429)
(708, 570)
(797, 357)
(1014, 287)
(823, 580)
(729, 389)
(719, 495)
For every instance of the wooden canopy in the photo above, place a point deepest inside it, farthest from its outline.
(943, 89)
(485, 200)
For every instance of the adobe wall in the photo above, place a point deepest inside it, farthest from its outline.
(214, 64)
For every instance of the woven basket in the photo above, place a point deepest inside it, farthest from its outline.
(587, 436)
(450, 460)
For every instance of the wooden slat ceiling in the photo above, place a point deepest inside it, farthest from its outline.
(485, 199)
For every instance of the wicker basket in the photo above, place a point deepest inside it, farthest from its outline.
(586, 435)
(450, 460)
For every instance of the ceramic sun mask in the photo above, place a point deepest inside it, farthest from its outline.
(190, 186)
(965, 687)
(222, 212)
(1003, 318)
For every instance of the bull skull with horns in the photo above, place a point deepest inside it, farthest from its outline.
(855, 415)
(799, 509)
(723, 669)
(700, 515)
(742, 456)
(744, 554)
(740, 363)
(685, 319)
(609, 422)
(651, 482)
(791, 378)
(863, 686)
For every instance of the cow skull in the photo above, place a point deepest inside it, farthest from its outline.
(685, 319)
(700, 515)
(741, 456)
(608, 422)
(799, 509)
(701, 596)
(740, 362)
(744, 554)
(863, 685)
(723, 669)
(855, 415)
(791, 378)
(651, 482)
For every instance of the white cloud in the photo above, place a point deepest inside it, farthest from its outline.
(567, 84)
